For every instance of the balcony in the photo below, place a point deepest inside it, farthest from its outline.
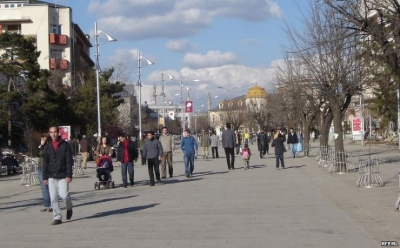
(59, 39)
(60, 64)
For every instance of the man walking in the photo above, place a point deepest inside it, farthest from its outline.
(84, 150)
(214, 144)
(127, 153)
(262, 143)
(205, 144)
(153, 151)
(228, 142)
(292, 142)
(57, 173)
(189, 148)
(168, 146)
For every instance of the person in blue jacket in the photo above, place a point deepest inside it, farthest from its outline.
(189, 148)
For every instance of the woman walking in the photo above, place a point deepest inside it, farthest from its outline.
(278, 143)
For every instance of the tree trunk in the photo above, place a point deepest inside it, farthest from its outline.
(337, 123)
(326, 120)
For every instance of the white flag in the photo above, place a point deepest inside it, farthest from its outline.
(171, 115)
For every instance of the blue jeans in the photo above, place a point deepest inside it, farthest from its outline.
(124, 168)
(279, 157)
(188, 158)
(45, 189)
(293, 148)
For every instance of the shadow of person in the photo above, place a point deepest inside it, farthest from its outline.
(117, 211)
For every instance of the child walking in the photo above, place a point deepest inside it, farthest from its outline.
(246, 156)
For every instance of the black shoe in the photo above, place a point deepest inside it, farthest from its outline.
(50, 210)
(170, 175)
(44, 210)
(132, 183)
(56, 222)
(125, 186)
(69, 214)
(186, 175)
(152, 183)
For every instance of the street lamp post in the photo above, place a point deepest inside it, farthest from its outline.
(97, 54)
(139, 85)
(182, 102)
(163, 95)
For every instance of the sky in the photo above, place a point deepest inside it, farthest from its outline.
(226, 43)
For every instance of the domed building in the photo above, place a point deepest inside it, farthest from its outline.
(256, 96)
(235, 110)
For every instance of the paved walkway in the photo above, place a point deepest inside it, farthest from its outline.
(302, 206)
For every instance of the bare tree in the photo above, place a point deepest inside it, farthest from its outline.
(377, 22)
(300, 93)
(329, 52)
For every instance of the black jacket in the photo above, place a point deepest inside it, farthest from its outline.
(57, 164)
(292, 139)
(132, 152)
(278, 144)
(262, 141)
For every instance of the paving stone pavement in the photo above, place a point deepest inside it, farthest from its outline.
(301, 206)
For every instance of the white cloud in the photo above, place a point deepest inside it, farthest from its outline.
(228, 76)
(211, 59)
(180, 46)
(138, 19)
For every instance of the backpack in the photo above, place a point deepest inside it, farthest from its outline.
(245, 153)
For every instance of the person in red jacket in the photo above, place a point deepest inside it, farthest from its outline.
(57, 173)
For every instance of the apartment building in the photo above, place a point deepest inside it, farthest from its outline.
(64, 47)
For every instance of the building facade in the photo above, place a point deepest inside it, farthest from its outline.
(64, 47)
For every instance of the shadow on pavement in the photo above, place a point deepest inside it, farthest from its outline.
(117, 211)
(196, 174)
(258, 166)
(28, 203)
(295, 166)
(103, 200)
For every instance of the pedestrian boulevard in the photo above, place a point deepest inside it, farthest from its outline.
(301, 206)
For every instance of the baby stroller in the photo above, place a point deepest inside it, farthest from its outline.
(104, 169)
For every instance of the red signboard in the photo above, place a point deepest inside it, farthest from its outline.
(356, 127)
(64, 132)
(189, 107)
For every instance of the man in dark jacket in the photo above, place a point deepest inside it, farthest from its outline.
(84, 147)
(229, 143)
(262, 143)
(292, 142)
(127, 153)
(57, 173)
(153, 151)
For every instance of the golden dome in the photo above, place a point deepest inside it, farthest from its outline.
(256, 92)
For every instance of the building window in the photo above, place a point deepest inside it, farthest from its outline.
(55, 29)
(14, 29)
(57, 53)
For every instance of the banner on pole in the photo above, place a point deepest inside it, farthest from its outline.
(171, 115)
(189, 107)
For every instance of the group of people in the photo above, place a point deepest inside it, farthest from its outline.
(56, 158)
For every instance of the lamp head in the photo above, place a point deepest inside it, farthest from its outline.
(170, 76)
(109, 37)
(147, 61)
